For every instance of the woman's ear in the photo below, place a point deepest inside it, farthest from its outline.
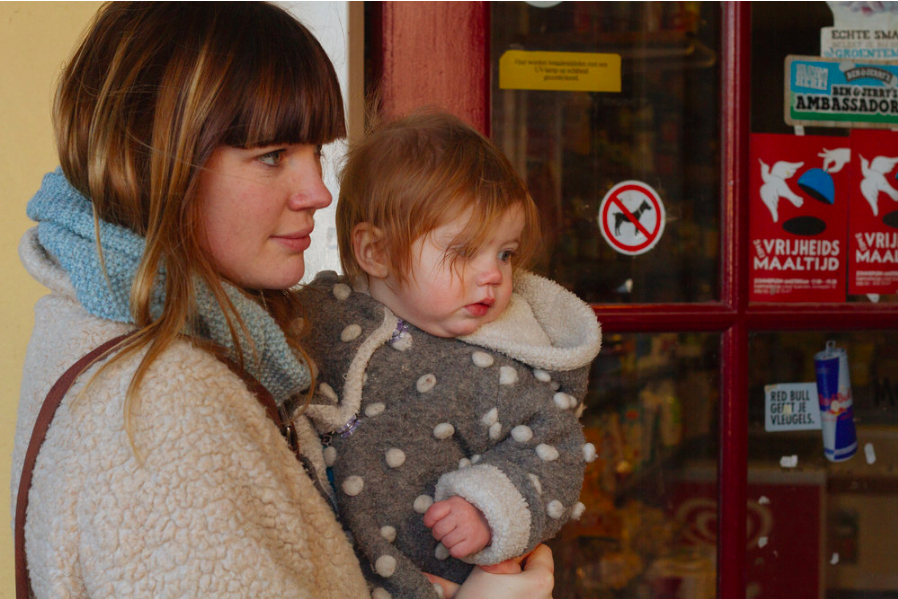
(368, 248)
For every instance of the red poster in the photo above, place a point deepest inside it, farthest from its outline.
(873, 217)
(799, 212)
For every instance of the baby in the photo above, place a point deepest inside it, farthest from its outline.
(451, 379)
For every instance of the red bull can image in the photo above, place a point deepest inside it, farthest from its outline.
(834, 395)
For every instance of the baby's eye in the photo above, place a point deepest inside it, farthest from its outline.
(272, 158)
(506, 255)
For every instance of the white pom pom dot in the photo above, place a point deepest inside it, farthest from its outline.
(341, 291)
(508, 375)
(546, 452)
(353, 485)
(441, 552)
(423, 503)
(555, 509)
(534, 480)
(444, 430)
(482, 359)
(375, 409)
(385, 566)
(521, 433)
(564, 401)
(426, 383)
(589, 453)
(490, 417)
(388, 533)
(395, 457)
(351, 332)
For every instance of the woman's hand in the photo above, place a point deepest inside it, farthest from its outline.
(535, 581)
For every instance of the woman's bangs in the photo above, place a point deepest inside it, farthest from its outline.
(292, 98)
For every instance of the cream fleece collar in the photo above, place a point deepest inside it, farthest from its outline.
(545, 326)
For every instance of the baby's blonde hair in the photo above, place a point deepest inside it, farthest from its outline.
(417, 173)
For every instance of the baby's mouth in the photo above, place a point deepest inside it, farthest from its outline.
(482, 307)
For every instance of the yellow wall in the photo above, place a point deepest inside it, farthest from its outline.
(36, 38)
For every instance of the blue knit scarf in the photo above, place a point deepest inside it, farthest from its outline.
(66, 230)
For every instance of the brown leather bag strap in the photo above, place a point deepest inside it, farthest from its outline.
(39, 433)
(48, 410)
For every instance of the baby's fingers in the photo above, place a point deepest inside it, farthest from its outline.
(435, 513)
(443, 528)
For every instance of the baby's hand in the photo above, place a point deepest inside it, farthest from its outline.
(460, 526)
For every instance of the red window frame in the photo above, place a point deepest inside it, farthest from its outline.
(438, 53)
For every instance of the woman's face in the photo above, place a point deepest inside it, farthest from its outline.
(257, 207)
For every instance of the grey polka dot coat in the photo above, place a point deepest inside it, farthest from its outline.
(491, 417)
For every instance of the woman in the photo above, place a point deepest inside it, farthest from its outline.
(195, 132)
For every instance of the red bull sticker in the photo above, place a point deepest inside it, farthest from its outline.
(631, 217)
(873, 213)
(798, 198)
(791, 407)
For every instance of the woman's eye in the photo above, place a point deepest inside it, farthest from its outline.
(272, 158)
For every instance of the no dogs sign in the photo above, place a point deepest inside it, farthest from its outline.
(631, 217)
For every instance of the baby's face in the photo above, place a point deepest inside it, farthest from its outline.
(450, 298)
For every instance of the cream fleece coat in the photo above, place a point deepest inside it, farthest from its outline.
(219, 508)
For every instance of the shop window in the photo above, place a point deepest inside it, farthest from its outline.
(662, 128)
(650, 522)
(781, 30)
(825, 522)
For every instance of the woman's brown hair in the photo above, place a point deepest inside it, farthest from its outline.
(153, 89)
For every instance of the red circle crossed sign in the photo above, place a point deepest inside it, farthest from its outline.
(631, 217)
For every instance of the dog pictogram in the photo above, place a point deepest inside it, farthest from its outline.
(621, 217)
(637, 204)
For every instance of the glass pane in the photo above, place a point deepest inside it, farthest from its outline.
(662, 129)
(650, 523)
(780, 29)
(821, 526)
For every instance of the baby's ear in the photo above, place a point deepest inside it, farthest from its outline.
(368, 248)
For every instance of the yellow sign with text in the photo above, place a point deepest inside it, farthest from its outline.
(560, 71)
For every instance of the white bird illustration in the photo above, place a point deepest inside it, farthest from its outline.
(775, 186)
(875, 180)
(836, 159)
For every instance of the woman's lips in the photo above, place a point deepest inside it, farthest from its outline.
(298, 242)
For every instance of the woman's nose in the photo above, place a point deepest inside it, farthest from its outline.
(309, 191)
